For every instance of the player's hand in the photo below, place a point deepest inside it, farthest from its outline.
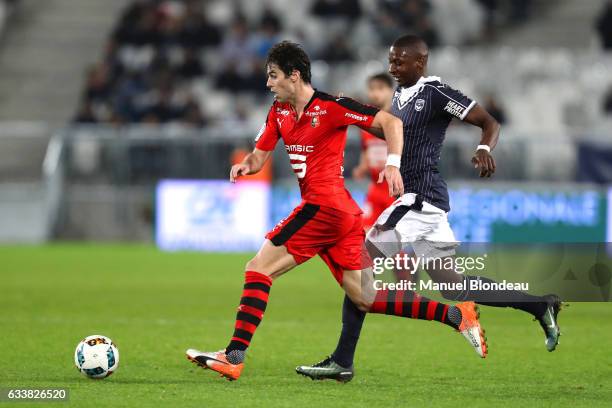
(394, 179)
(238, 170)
(485, 161)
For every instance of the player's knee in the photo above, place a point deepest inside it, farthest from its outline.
(256, 265)
(362, 304)
(251, 265)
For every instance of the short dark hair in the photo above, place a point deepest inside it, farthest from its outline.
(382, 77)
(290, 56)
(410, 41)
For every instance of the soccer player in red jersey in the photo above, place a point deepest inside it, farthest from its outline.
(328, 222)
(374, 153)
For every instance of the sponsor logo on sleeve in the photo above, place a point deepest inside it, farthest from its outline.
(356, 117)
(454, 108)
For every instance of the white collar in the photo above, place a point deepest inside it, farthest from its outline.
(407, 93)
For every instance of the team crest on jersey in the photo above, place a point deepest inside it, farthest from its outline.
(315, 121)
(418, 105)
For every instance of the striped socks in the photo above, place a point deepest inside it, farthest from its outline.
(403, 303)
(250, 312)
(409, 304)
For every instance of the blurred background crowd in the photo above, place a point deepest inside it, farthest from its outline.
(197, 62)
(200, 62)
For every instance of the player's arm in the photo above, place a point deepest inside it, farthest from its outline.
(252, 163)
(392, 130)
(453, 103)
(370, 118)
(265, 141)
(378, 132)
(478, 116)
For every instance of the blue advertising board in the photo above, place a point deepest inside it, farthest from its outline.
(215, 215)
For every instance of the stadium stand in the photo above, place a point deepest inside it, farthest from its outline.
(201, 63)
(49, 43)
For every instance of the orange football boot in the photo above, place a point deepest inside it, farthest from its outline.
(470, 327)
(216, 361)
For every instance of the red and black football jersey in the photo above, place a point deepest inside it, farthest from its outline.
(315, 144)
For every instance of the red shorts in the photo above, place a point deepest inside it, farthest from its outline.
(336, 236)
(377, 200)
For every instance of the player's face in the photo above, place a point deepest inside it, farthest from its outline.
(405, 66)
(281, 85)
(379, 93)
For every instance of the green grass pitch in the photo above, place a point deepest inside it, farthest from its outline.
(155, 305)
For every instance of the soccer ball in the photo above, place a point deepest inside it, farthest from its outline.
(96, 356)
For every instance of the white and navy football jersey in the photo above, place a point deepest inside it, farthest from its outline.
(426, 110)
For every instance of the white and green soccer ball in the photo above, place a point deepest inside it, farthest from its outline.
(96, 356)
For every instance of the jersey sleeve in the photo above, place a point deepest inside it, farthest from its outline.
(268, 135)
(351, 112)
(451, 102)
